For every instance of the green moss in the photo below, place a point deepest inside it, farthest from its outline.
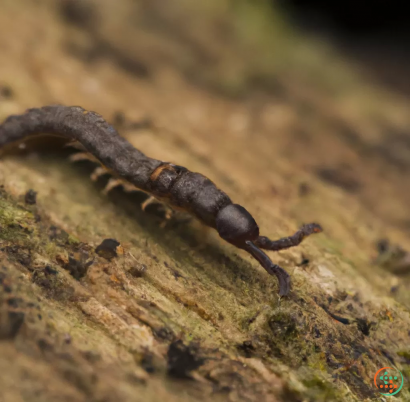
(73, 241)
(405, 354)
(320, 389)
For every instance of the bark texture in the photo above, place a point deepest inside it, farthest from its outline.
(286, 126)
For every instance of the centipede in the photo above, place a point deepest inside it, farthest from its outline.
(166, 182)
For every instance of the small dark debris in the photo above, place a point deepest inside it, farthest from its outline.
(331, 362)
(89, 355)
(392, 257)
(388, 356)
(50, 271)
(20, 254)
(247, 348)
(15, 302)
(108, 249)
(7, 288)
(364, 326)
(11, 327)
(58, 235)
(164, 333)
(183, 359)
(305, 261)
(78, 12)
(382, 246)
(252, 319)
(77, 268)
(138, 271)
(304, 189)
(174, 272)
(44, 345)
(340, 177)
(30, 197)
(343, 320)
(119, 119)
(33, 305)
(147, 363)
(6, 92)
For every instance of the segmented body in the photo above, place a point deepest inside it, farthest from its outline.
(176, 185)
(181, 188)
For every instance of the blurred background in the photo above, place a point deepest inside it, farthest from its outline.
(298, 109)
(326, 82)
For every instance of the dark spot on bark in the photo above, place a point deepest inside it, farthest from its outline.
(30, 198)
(183, 359)
(80, 13)
(44, 345)
(91, 356)
(100, 49)
(253, 318)
(364, 326)
(54, 287)
(119, 119)
(164, 333)
(77, 268)
(339, 177)
(50, 271)
(331, 362)
(6, 92)
(382, 246)
(147, 363)
(10, 326)
(388, 356)
(19, 253)
(247, 348)
(305, 261)
(304, 189)
(58, 235)
(15, 302)
(108, 249)
(138, 271)
(336, 317)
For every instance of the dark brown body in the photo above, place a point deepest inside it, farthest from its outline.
(182, 189)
